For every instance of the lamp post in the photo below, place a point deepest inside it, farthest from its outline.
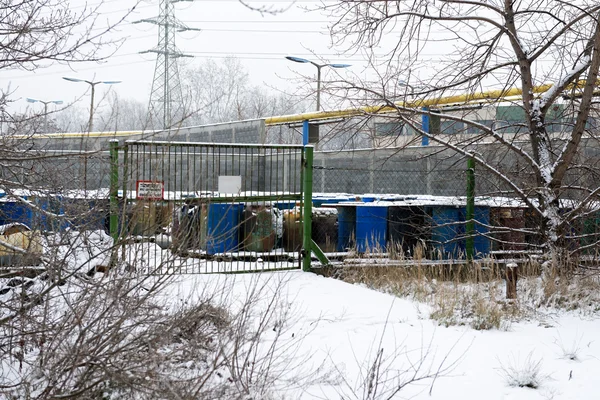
(45, 103)
(319, 66)
(93, 85)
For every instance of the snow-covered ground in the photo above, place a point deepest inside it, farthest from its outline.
(338, 331)
(328, 339)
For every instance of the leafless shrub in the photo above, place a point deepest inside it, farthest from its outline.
(122, 335)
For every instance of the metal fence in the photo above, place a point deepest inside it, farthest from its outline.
(201, 207)
(177, 203)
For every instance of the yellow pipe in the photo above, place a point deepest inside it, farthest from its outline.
(459, 99)
(351, 112)
(78, 134)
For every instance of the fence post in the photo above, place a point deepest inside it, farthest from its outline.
(114, 190)
(307, 214)
(470, 226)
(512, 273)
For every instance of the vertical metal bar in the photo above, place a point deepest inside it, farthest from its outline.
(240, 164)
(307, 220)
(114, 190)
(425, 124)
(126, 178)
(470, 227)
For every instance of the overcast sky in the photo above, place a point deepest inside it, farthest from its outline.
(228, 29)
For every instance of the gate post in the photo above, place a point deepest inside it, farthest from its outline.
(114, 190)
(307, 214)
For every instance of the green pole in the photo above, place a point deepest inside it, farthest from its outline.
(470, 244)
(307, 217)
(114, 189)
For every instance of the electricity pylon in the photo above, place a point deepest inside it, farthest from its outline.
(165, 108)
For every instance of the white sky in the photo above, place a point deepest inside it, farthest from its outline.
(229, 29)
(259, 41)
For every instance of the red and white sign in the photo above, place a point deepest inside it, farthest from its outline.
(150, 190)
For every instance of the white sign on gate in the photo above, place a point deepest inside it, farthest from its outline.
(150, 190)
(230, 184)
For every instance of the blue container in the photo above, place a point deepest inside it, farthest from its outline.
(16, 211)
(482, 242)
(285, 205)
(318, 202)
(346, 227)
(447, 227)
(223, 227)
(371, 228)
(368, 199)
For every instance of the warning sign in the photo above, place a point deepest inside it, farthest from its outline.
(150, 190)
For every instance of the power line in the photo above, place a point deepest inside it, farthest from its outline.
(256, 22)
(200, 55)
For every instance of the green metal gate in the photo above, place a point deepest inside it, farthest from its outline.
(209, 208)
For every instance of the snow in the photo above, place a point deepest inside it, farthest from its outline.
(335, 331)
(578, 68)
(332, 332)
(343, 326)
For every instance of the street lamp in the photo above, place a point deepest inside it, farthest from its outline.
(319, 66)
(93, 85)
(45, 103)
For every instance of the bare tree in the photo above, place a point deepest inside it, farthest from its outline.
(546, 52)
(123, 114)
(222, 92)
(72, 118)
(38, 32)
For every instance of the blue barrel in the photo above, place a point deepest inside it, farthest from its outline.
(371, 228)
(368, 199)
(482, 242)
(346, 227)
(223, 227)
(447, 227)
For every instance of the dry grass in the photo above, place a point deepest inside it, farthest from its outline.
(475, 295)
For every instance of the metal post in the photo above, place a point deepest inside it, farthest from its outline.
(45, 116)
(307, 199)
(114, 190)
(91, 123)
(470, 226)
(305, 130)
(318, 86)
(425, 122)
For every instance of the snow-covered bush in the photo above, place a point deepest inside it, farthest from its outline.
(523, 373)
